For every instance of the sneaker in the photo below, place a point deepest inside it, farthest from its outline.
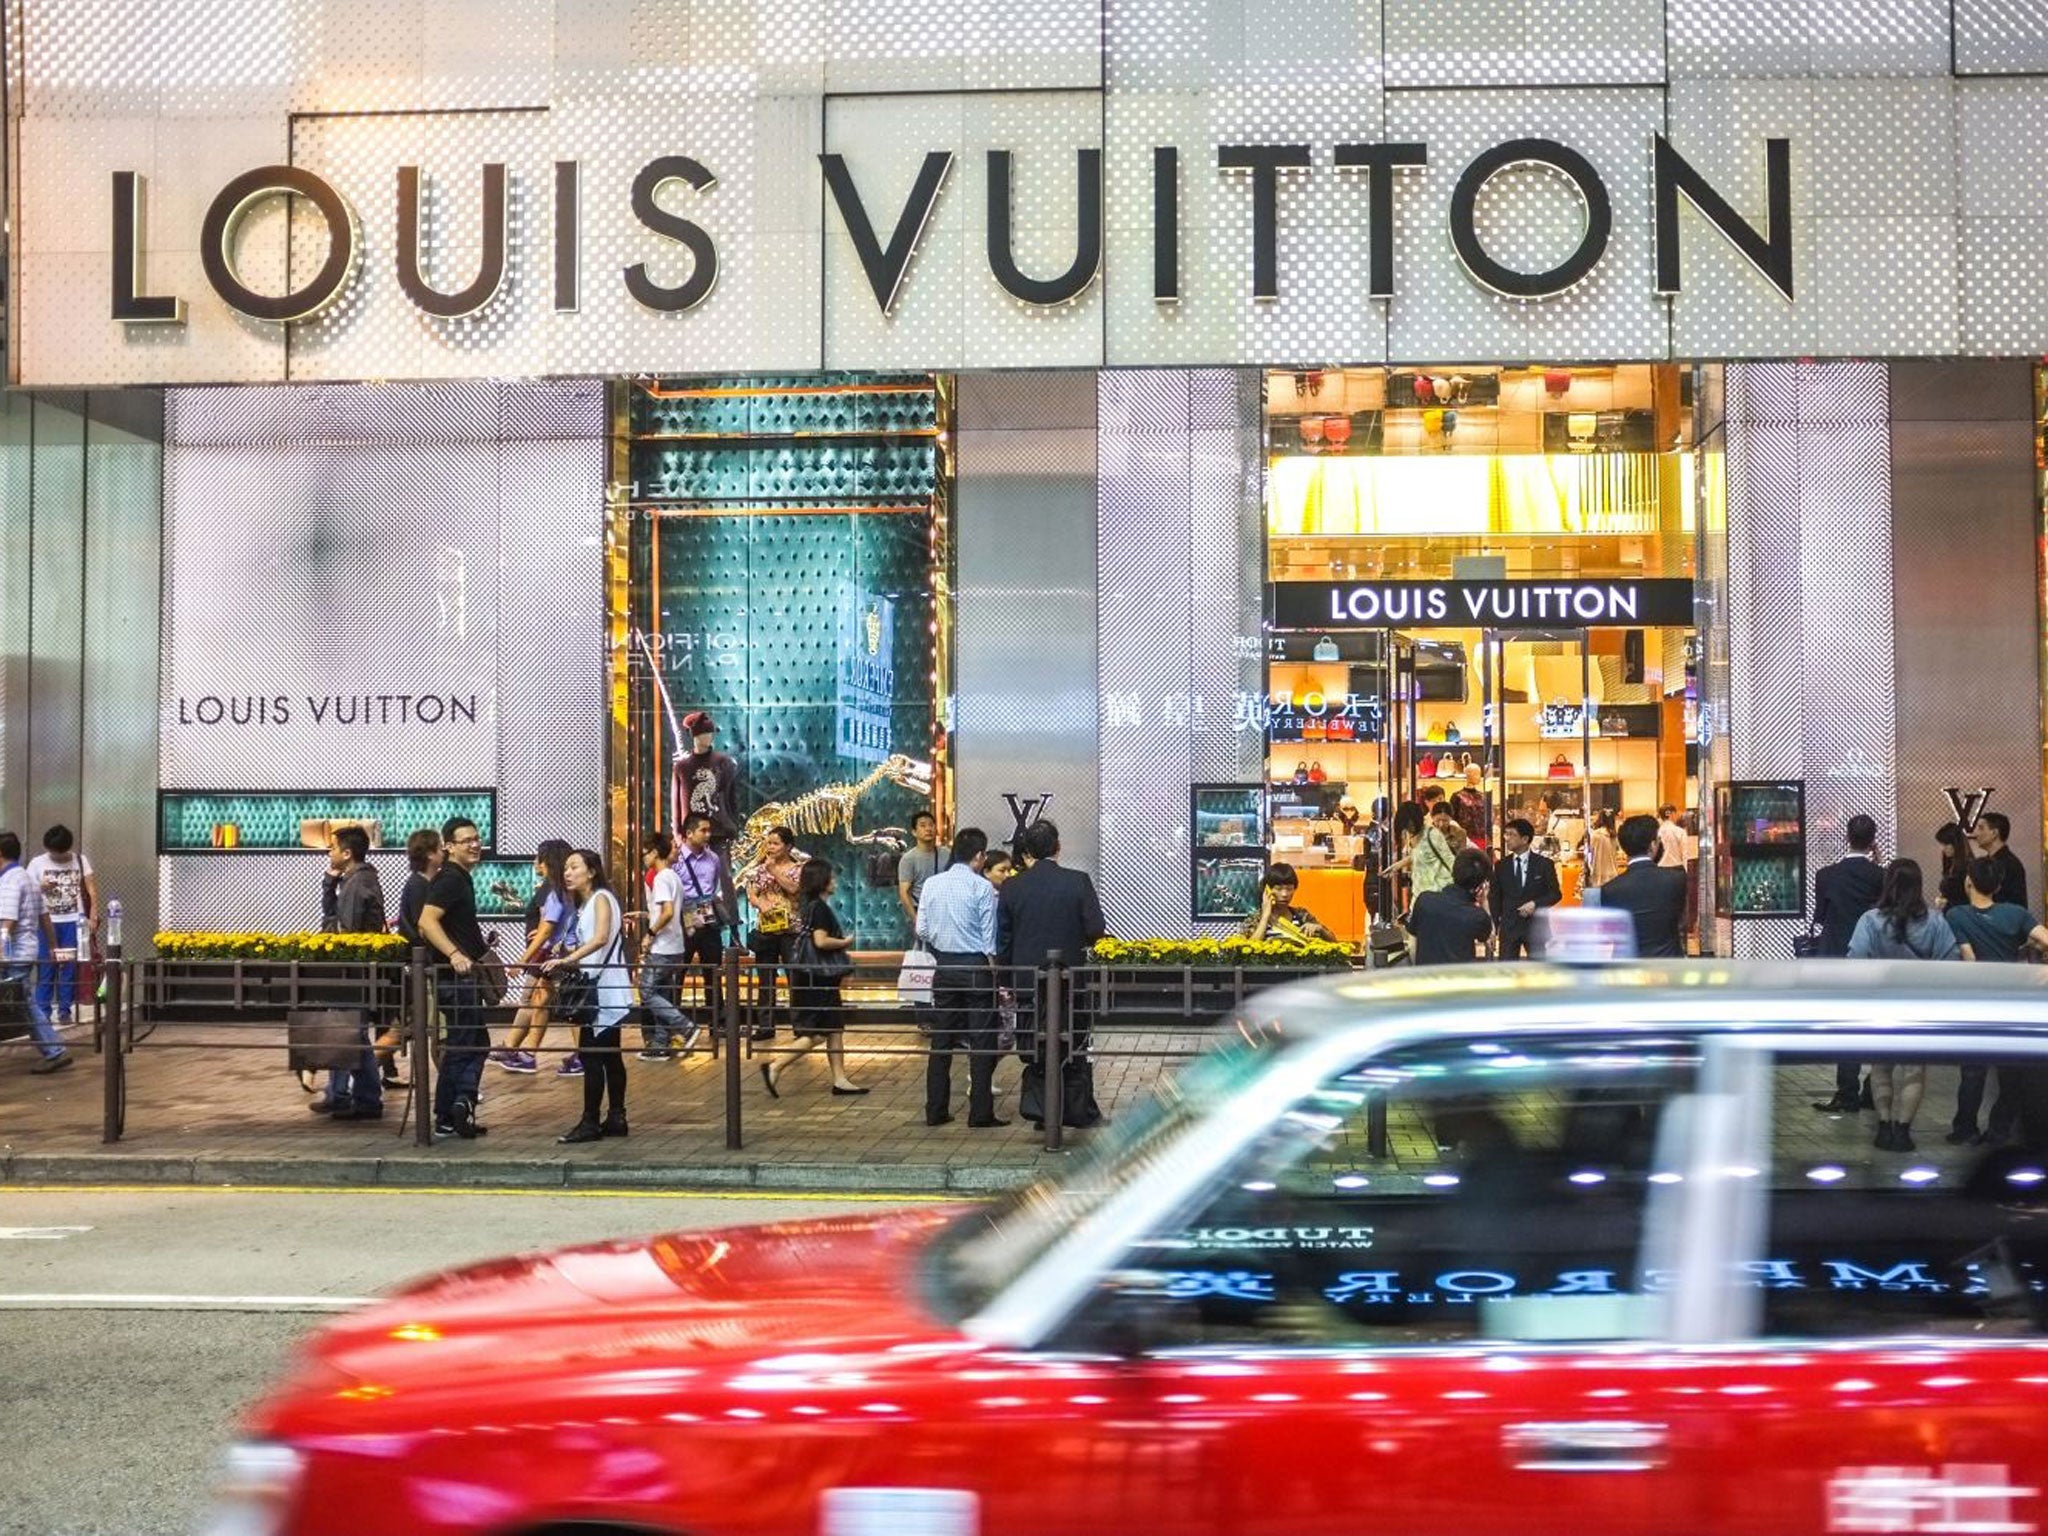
(504, 1059)
(572, 1067)
(51, 1064)
(521, 1062)
(464, 1120)
(693, 1030)
(443, 1130)
(657, 1053)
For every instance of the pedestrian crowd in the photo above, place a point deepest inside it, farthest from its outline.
(1461, 900)
(591, 967)
(1867, 909)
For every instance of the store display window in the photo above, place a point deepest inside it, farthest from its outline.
(1479, 590)
(779, 556)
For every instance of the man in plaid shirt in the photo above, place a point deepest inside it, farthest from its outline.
(22, 925)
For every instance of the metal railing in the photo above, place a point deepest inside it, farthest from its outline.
(1060, 1015)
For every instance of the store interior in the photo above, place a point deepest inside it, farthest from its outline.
(1454, 475)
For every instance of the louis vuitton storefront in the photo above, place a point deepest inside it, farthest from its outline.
(1074, 411)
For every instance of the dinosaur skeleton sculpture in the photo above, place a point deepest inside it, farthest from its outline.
(829, 809)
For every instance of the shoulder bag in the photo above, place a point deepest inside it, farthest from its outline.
(576, 988)
(806, 956)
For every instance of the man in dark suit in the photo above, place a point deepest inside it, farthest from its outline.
(1049, 910)
(1524, 883)
(1842, 893)
(1652, 894)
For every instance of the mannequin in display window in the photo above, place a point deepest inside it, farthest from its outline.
(1469, 806)
(704, 782)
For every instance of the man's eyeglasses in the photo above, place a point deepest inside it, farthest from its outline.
(465, 842)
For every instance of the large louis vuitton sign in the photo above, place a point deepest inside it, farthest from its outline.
(886, 239)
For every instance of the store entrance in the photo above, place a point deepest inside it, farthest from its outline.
(1479, 587)
(1555, 726)
(1507, 730)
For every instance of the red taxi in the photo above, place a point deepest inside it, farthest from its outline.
(1561, 1252)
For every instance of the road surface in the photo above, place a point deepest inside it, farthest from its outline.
(135, 1323)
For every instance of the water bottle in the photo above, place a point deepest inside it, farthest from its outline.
(114, 924)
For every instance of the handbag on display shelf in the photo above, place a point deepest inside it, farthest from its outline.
(1425, 767)
(1316, 774)
(1561, 767)
(1301, 772)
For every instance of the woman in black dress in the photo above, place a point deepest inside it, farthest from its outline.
(814, 994)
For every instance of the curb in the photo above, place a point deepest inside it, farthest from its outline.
(89, 1168)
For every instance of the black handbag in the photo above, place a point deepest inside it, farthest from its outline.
(1806, 945)
(574, 999)
(821, 963)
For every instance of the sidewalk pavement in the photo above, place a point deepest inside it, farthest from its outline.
(214, 1104)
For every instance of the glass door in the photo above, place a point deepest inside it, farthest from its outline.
(1540, 706)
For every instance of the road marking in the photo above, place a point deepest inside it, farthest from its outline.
(66, 1301)
(38, 1234)
(764, 1195)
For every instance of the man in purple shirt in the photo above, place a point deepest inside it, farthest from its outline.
(708, 904)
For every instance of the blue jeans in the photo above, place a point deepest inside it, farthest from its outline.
(657, 983)
(23, 974)
(360, 1085)
(58, 979)
(464, 1040)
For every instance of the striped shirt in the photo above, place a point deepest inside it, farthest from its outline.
(21, 903)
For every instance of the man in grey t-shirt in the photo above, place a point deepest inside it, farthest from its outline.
(919, 863)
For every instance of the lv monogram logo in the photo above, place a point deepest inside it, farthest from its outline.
(1024, 811)
(1968, 805)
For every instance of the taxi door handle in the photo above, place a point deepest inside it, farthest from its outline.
(1590, 1445)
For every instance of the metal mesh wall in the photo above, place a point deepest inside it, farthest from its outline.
(332, 546)
(1812, 691)
(1177, 556)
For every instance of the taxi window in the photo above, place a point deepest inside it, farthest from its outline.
(1484, 1189)
(1943, 1231)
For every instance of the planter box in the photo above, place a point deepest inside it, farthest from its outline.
(259, 989)
(1156, 994)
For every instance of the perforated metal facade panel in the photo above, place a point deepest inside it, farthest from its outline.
(344, 549)
(1914, 126)
(1175, 567)
(1809, 545)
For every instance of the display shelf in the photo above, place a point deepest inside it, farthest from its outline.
(229, 821)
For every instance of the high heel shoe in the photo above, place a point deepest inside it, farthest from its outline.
(768, 1081)
(306, 1082)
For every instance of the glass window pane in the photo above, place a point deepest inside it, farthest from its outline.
(1945, 1231)
(1482, 1189)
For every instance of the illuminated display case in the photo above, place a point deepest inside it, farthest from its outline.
(1760, 865)
(1228, 825)
(265, 821)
